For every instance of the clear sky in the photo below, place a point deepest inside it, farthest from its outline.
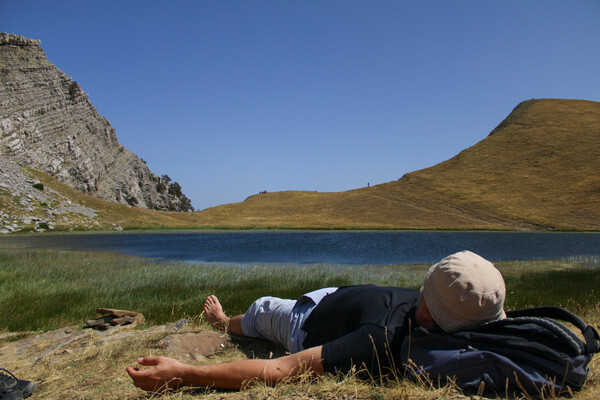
(233, 97)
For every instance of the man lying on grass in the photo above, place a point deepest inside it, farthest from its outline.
(335, 330)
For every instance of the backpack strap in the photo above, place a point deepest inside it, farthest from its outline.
(592, 339)
(570, 343)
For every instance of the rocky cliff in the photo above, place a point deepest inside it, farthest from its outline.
(48, 123)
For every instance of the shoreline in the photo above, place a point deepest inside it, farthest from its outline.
(284, 229)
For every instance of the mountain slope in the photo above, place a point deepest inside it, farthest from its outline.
(539, 169)
(48, 123)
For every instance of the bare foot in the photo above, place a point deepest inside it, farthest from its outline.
(214, 313)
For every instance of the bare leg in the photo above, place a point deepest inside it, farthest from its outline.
(217, 318)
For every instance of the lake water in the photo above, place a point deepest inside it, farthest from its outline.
(340, 248)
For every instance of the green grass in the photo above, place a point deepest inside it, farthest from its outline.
(42, 290)
(569, 289)
(47, 289)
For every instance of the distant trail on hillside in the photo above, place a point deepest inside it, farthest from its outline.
(461, 215)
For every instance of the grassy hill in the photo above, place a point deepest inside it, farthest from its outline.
(539, 169)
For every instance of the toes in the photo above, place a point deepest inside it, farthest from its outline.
(212, 302)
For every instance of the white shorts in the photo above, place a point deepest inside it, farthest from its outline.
(281, 320)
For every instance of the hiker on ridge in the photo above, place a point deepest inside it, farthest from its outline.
(337, 329)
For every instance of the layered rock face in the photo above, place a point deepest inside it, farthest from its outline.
(48, 123)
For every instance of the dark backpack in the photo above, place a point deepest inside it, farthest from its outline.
(527, 352)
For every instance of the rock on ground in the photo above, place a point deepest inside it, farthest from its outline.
(54, 346)
(25, 206)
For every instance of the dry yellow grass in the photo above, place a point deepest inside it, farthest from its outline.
(538, 170)
(99, 373)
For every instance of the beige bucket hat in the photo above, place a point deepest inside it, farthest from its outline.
(464, 290)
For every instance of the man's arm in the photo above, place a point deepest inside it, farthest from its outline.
(166, 372)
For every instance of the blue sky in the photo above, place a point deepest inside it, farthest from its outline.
(232, 97)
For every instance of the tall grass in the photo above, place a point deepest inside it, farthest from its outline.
(574, 289)
(42, 290)
(49, 289)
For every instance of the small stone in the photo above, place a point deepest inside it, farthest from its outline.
(115, 318)
(116, 313)
(100, 323)
(123, 320)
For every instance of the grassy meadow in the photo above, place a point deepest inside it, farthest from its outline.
(43, 290)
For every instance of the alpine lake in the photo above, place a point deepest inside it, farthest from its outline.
(349, 248)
